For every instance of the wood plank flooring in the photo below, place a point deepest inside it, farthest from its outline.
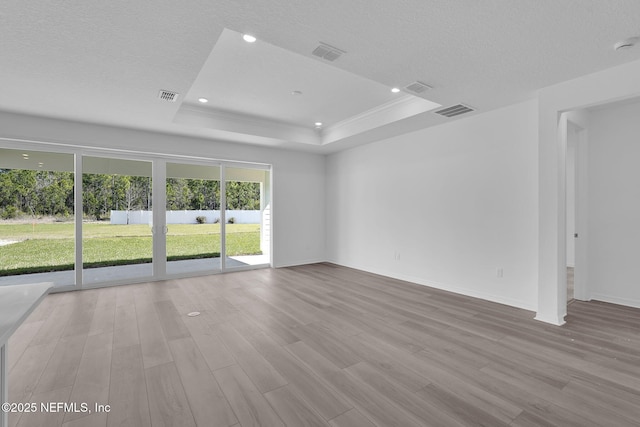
(321, 345)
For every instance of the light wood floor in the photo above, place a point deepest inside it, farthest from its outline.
(321, 345)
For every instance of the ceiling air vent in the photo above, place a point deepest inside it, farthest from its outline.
(328, 52)
(455, 110)
(418, 87)
(168, 96)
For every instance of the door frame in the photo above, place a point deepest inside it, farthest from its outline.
(578, 122)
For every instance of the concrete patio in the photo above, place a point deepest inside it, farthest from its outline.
(94, 276)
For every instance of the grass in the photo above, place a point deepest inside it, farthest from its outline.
(50, 247)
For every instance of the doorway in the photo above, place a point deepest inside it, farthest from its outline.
(576, 208)
(117, 239)
(247, 217)
(571, 212)
(193, 228)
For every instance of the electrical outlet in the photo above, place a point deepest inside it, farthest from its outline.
(499, 272)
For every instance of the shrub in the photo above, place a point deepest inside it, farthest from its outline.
(231, 220)
(201, 219)
(217, 220)
(9, 212)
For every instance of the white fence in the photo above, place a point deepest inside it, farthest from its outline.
(184, 217)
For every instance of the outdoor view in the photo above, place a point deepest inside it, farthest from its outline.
(36, 225)
(37, 215)
(111, 186)
(247, 191)
(193, 197)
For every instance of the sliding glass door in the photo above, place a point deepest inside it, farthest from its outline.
(86, 219)
(36, 217)
(117, 242)
(192, 218)
(247, 217)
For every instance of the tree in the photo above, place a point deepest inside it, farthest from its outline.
(243, 195)
(39, 192)
(178, 194)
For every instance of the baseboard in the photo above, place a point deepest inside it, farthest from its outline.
(444, 286)
(297, 263)
(556, 320)
(616, 300)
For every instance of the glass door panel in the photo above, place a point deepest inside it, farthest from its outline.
(36, 217)
(193, 218)
(117, 242)
(247, 217)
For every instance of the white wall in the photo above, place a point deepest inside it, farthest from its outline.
(614, 204)
(298, 178)
(468, 191)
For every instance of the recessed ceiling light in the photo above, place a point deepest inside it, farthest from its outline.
(248, 38)
(203, 100)
(395, 90)
(318, 124)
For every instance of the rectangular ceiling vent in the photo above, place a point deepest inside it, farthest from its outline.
(417, 87)
(168, 96)
(328, 52)
(455, 110)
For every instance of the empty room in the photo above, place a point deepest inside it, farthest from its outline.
(340, 214)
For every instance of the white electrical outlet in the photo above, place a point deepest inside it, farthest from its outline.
(499, 272)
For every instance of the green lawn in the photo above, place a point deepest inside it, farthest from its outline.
(49, 247)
